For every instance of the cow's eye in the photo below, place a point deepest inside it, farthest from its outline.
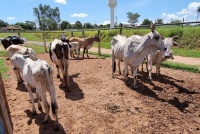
(156, 37)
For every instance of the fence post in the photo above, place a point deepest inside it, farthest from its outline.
(44, 39)
(83, 34)
(19, 35)
(4, 109)
(120, 31)
(99, 45)
(72, 34)
(63, 35)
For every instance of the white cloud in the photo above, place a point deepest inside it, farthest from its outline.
(11, 18)
(189, 14)
(79, 15)
(61, 1)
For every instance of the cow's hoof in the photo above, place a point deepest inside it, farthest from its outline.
(34, 112)
(56, 127)
(58, 76)
(135, 86)
(40, 107)
(45, 121)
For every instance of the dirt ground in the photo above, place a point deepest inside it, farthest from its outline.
(98, 104)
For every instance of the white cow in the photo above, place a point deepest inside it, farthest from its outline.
(160, 56)
(135, 53)
(38, 74)
(117, 46)
(11, 50)
(74, 47)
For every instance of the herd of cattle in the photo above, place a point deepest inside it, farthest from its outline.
(38, 74)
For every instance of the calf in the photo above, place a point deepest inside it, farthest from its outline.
(59, 54)
(85, 43)
(38, 74)
(11, 50)
(160, 56)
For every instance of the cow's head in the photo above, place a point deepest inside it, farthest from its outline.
(96, 38)
(156, 41)
(169, 42)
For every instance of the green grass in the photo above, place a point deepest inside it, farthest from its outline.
(180, 66)
(106, 45)
(167, 64)
(3, 53)
(186, 52)
(37, 49)
(3, 68)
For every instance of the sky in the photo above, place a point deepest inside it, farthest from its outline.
(98, 11)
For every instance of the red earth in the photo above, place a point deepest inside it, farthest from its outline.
(98, 104)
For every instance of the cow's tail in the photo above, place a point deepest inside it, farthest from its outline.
(113, 62)
(51, 88)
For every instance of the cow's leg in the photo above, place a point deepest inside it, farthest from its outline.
(87, 53)
(150, 68)
(31, 97)
(119, 67)
(126, 71)
(83, 52)
(77, 53)
(38, 99)
(58, 74)
(134, 77)
(158, 69)
(66, 80)
(46, 105)
(18, 75)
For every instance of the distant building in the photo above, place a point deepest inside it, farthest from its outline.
(10, 29)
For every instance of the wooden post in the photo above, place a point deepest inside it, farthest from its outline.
(99, 45)
(183, 22)
(19, 35)
(72, 34)
(4, 109)
(83, 34)
(45, 46)
(63, 35)
(120, 31)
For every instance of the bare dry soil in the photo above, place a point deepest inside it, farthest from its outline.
(98, 104)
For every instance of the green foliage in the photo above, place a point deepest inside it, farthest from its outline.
(186, 52)
(180, 66)
(47, 17)
(132, 18)
(3, 68)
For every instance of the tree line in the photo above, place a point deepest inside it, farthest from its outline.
(48, 19)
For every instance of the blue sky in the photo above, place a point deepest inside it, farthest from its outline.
(98, 12)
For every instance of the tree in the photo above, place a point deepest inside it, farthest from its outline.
(198, 11)
(47, 17)
(28, 25)
(159, 21)
(146, 22)
(132, 18)
(176, 21)
(88, 25)
(78, 25)
(3, 24)
(65, 25)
